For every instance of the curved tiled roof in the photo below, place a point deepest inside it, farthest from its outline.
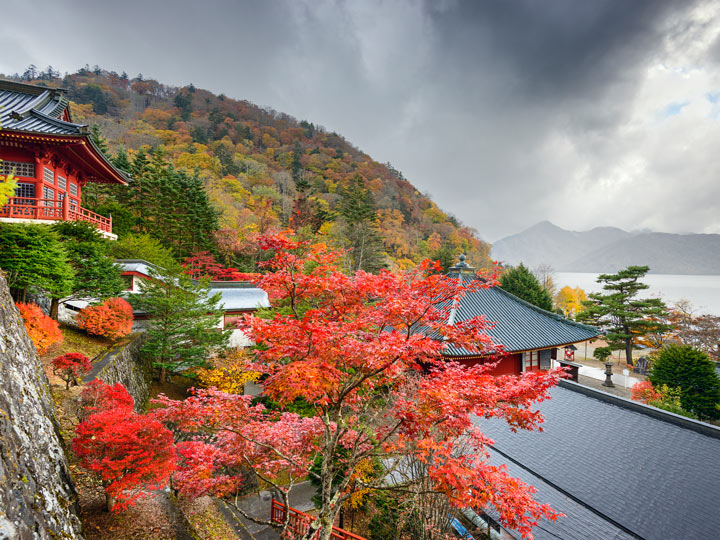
(29, 110)
(24, 107)
(519, 326)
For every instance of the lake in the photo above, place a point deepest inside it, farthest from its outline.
(702, 291)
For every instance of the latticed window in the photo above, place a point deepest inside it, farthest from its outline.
(49, 176)
(25, 190)
(18, 168)
(73, 189)
(62, 183)
(48, 193)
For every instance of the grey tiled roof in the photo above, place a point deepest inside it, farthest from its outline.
(234, 295)
(602, 459)
(520, 326)
(25, 107)
(239, 296)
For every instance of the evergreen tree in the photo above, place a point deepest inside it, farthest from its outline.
(183, 330)
(445, 255)
(361, 234)
(96, 274)
(624, 316)
(145, 247)
(34, 260)
(522, 283)
(692, 371)
(98, 139)
(121, 160)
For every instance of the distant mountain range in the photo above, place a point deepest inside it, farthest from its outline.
(608, 249)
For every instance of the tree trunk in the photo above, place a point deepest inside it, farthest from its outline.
(628, 351)
(109, 501)
(163, 375)
(322, 526)
(54, 306)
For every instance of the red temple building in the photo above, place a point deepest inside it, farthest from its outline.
(529, 335)
(51, 157)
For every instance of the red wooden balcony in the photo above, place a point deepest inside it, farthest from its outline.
(299, 523)
(51, 209)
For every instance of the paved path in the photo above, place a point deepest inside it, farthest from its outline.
(618, 378)
(258, 506)
(104, 361)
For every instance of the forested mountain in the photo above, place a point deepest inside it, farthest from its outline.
(609, 249)
(261, 170)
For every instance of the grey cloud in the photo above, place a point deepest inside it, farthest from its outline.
(507, 113)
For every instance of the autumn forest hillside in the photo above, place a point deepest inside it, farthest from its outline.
(261, 170)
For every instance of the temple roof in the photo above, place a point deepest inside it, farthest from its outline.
(30, 112)
(615, 467)
(25, 107)
(234, 295)
(519, 325)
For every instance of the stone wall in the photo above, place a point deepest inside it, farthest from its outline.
(37, 496)
(123, 365)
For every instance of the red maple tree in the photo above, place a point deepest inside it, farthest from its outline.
(43, 330)
(70, 366)
(202, 265)
(132, 453)
(364, 353)
(112, 319)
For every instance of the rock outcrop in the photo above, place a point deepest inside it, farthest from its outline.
(37, 496)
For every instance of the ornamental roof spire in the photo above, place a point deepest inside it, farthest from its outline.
(461, 266)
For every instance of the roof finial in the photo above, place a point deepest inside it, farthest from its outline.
(461, 265)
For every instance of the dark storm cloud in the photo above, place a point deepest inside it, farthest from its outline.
(507, 113)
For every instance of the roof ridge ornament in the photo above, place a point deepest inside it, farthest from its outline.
(461, 266)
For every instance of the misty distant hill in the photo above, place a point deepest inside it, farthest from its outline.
(608, 249)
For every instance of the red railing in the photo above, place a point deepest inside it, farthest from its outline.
(65, 210)
(299, 523)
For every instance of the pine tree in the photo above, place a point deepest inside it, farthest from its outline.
(361, 234)
(522, 283)
(624, 316)
(34, 260)
(96, 274)
(98, 139)
(183, 330)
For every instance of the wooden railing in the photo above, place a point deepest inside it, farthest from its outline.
(299, 523)
(65, 210)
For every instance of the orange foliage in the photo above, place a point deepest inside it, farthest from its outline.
(111, 319)
(43, 330)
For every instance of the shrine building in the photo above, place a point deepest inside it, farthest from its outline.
(51, 157)
(530, 336)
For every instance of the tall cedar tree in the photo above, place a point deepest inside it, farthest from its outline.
(167, 203)
(34, 260)
(521, 282)
(624, 316)
(96, 274)
(363, 239)
(690, 370)
(183, 330)
(378, 391)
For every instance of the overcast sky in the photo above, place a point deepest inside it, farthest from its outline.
(507, 113)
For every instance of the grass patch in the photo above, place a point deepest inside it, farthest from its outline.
(79, 341)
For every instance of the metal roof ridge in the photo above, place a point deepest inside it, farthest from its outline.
(26, 88)
(661, 415)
